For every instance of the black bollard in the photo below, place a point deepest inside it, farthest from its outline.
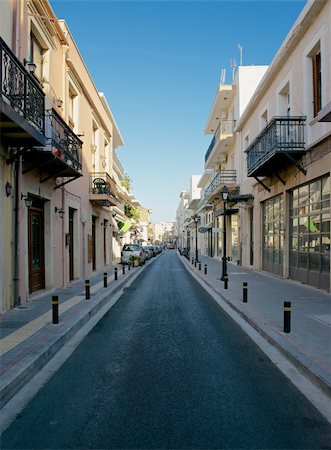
(55, 309)
(129, 266)
(192, 260)
(245, 291)
(226, 279)
(87, 290)
(205, 269)
(287, 317)
(123, 270)
(115, 273)
(199, 265)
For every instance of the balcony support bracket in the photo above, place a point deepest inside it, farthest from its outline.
(280, 179)
(53, 175)
(57, 186)
(262, 184)
(293, 161)
(17, 153)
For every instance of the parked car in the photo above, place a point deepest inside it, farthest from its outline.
(148, 252)
(171, 246)
(130, 250)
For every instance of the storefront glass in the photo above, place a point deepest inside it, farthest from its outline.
(273, 235)
(310, 233)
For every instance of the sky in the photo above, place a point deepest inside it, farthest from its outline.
(159, 64)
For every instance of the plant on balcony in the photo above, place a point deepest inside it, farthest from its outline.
(127, 182)
(131, 212)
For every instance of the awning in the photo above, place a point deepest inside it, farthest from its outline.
(228, 211)
(124, 226)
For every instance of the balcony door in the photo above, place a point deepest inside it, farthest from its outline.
(36, 246)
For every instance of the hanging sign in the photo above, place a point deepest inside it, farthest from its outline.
(203, 229)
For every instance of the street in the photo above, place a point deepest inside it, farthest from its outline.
(167, 368)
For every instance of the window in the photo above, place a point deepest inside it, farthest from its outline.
(72, 108)
(284, 101)
(264, 119)
(36, 56)
(317, 82)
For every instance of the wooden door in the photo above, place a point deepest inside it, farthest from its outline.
(36, 248)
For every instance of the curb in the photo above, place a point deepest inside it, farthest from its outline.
(304, 369)
(54, 338)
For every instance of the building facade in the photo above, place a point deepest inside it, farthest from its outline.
(285, 134)
(60, 199)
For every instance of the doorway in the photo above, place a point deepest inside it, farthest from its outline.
(36, 246)
(71, 244)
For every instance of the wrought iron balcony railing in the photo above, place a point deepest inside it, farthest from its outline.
(283, 135)
(20, 90)
(101, 183)
(224, 177)
(66, 145)
(225, 128)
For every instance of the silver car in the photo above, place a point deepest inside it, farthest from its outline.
(132, 250)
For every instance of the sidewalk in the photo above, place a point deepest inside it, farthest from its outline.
(308, 345)
(29, 339)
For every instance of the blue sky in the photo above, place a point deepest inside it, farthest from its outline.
(159, 64)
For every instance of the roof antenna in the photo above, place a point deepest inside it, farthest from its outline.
(223, 74)
(240, 54)
(233, 67)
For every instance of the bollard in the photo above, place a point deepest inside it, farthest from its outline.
(199, 265)
(55, 309)
(192, 260)
(115, 273)
(287, 317)
(245, 291)
(105, 279)
(205, 269)
(226, 279)
(87, 290)
(195, 263)
(123, 270)
(129, 266)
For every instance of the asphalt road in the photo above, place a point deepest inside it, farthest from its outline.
(167, 368)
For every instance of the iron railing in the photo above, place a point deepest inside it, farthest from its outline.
(223, 177)
(20, 89)
(66, 145)
(281, 135)
(225, 127)
(101, 183)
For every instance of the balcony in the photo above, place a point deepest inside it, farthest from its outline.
(280, 143)
(221, 140)
(223, 178)
(22, 103)
(102, 189)
(62, 155)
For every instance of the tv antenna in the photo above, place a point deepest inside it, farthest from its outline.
(233, 67)
(240, 54)
(223, 74)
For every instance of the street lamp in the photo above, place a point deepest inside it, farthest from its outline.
(196, 219)
(225, 194)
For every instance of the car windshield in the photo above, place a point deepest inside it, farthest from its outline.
(131, 248)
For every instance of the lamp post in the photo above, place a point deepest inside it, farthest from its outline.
(196, 219)
(225, 195)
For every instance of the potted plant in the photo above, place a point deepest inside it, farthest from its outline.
(134, 260)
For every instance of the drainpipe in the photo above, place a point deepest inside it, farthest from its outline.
(17, 299)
